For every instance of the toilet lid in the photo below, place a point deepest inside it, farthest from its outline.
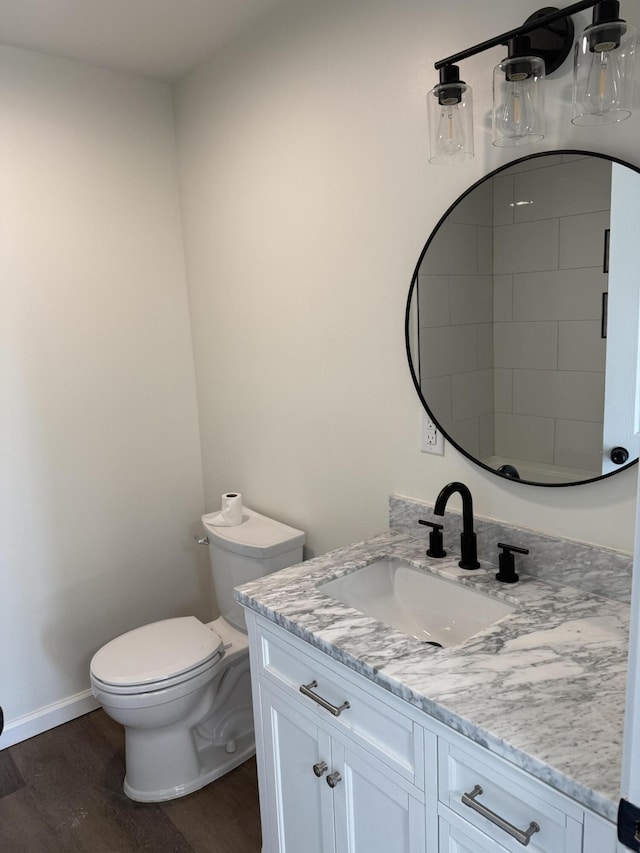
(156, 652)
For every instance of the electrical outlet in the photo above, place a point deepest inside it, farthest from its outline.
(431, 440)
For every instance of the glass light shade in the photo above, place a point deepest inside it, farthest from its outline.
(518, 101)
(603, 65)
(450, 109)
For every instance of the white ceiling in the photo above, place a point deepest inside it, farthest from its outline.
(155, 38)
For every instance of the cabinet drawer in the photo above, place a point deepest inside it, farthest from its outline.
(374, 725)
(509, 795)
(458, 836)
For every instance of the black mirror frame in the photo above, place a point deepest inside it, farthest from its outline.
(412, 288)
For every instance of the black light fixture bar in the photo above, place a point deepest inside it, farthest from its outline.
(530, 26)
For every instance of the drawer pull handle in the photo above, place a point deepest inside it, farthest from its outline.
(320, 768)
(333, 779)
(521, 835)
(306, 690)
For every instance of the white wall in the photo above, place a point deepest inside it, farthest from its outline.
(307, 198)
(100, 470)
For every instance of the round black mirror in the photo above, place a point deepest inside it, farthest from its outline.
(522, 319)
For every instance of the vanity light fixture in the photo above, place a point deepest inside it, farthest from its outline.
(518, 96)
(603, 77)
(602, 68)
(451, 118)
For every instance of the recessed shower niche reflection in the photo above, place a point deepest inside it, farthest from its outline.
(522, 320)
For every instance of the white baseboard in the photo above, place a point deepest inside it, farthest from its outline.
(48, 718)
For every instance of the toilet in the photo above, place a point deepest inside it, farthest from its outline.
(181, 688)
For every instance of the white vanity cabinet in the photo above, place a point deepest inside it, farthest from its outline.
(345, 767)
(323, 797)
(330, 783)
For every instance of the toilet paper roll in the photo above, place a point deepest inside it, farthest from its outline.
(231, 512)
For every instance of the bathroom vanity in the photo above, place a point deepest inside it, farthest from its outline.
(369, 739)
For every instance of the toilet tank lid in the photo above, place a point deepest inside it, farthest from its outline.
(156, 651)
(255, 536)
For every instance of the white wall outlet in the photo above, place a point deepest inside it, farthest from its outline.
(431, 440)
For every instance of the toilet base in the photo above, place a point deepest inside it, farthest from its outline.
(170, 762)
(220, 763)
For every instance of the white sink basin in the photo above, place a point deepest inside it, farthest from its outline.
(428, 607)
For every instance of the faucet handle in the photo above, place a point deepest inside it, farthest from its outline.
(435, 548)
(507, 563)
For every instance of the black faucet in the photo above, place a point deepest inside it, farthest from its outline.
(468, 549)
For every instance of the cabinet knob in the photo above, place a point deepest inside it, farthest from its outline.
(333, 779)
(320, 768)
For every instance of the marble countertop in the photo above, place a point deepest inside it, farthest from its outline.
(543, 688)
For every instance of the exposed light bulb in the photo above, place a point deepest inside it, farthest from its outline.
(604, 83)
(518, 116)
(450, 137)
(518, 97)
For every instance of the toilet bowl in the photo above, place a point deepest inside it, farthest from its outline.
(181, 688)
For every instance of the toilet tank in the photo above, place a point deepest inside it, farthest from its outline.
(245, 552)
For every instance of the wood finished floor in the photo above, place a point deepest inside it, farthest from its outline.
(61, 792)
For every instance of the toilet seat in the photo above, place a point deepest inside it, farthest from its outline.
(157, 656)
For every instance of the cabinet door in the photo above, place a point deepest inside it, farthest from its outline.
(373, 812)
(300, 802)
